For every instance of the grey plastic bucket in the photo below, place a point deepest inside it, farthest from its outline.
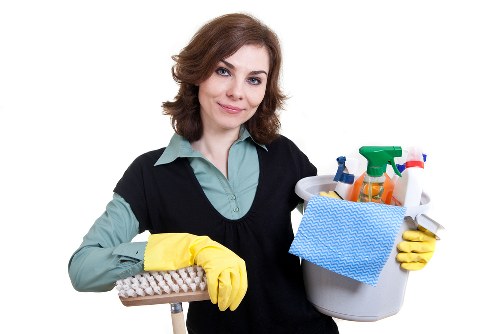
(342, 297)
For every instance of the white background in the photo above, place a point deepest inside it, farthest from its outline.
(82, 82)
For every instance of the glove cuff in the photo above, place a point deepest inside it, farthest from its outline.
(169, 251)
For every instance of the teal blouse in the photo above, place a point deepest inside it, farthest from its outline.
(107, 252)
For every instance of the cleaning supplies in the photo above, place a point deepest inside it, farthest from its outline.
(187, 284)
(341, 296)
(343, 178)
(375, 185)
(331, 194)
(349, 238)
(408, 188)
(225, 270)
(158, 287)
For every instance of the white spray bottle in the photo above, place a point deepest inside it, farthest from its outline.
(409, 187)
(344, 177)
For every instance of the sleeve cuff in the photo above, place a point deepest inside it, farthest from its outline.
(133, 250)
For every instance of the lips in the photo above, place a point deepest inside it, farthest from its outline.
(230, 109)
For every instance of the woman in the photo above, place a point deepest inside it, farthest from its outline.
(219, 182)
(220, 195)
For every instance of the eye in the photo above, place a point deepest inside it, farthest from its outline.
(222, 71)
(254, 81)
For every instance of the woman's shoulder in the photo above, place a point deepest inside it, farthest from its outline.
(154, 154)
(283, 142)
(284, 149)
(148, 158)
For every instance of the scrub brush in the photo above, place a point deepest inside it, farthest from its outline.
(160, 287)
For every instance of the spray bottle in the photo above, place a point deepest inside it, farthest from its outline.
(343, 178)
(409, 187)
(375, 185)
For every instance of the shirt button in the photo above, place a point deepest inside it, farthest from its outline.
(232, 197)
(236, 209)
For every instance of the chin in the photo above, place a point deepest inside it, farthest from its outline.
(233, 121)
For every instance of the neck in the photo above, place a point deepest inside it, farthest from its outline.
(215, 147)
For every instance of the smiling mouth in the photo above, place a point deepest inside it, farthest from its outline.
(230, 109)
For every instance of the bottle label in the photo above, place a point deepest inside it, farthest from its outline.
(371, 192)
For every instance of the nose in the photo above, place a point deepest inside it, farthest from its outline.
(235, 90)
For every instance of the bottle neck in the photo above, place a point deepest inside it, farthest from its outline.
(374, 179)
(414, 163)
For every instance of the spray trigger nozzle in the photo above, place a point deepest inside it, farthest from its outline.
(342, 176)
(379, 157)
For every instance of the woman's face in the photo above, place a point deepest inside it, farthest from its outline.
(231, 95)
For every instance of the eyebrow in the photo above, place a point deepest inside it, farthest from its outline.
(231, 66)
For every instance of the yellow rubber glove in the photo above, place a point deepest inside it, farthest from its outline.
(226, 272)
(417, 249)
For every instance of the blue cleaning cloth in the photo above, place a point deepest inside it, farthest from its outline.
(350, 238)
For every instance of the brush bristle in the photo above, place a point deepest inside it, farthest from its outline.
(184, 280)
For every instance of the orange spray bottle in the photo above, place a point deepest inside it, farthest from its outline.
(375, 185)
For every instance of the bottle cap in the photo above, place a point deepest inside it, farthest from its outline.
(415, 158)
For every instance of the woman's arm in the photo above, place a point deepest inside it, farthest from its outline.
(107, 253)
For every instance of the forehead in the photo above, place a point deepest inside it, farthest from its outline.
(251, 57)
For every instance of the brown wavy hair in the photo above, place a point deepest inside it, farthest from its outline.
(216, 40)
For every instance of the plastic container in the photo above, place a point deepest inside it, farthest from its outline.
(342, 297)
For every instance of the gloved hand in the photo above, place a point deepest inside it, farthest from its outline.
(417, 249)
(226, 272)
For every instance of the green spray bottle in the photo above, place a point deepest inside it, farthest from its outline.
(375, 185)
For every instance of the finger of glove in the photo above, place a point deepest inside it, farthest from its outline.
(243, 286)
(415, 235)
(415, 246)
(413, 266)
(414, 257)
(228, 287)
(212, 284)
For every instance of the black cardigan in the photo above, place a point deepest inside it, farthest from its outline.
(168, 198)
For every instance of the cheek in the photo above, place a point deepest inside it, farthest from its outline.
(204, 90)
(211, 87)
(256, 97)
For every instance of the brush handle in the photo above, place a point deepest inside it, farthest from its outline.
(164, 299)
(178, 325)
